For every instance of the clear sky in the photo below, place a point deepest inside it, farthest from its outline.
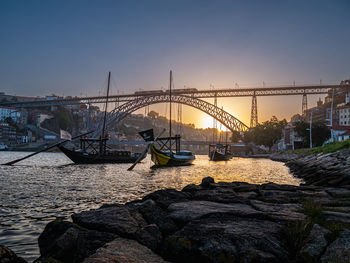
(67, 48)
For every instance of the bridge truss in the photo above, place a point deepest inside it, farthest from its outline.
(122, 111)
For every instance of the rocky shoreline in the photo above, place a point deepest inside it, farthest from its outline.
(210, 222)
(330, 169)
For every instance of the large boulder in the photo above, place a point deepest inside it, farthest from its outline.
(115, 219)
(8, 256)
(164, 198)
(226, 238)
(188, 211)
(123, 250)
(66, 242)
(339, 250)
(315, 244)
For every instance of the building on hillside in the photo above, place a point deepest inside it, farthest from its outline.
(37, 117)
(341, 133)
(344, 115)
(290, 139)
(7, 133)
(9, 112)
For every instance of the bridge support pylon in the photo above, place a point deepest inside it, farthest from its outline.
(304, 104)
(254, 112)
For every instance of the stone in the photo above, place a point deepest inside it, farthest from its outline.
(164, 198)
(226, 238)
(315, 244)
(338, 192)
(8, 256)
(279, 212)
(123, 250)
(337, 216)
(339, 250)
(207, 181)
(153, 214)
(149, 236)
(219, 194)
(115, 219)
(187, 211)
(66, 242)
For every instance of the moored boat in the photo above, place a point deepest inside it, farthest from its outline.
(95, 150)
(219, 152)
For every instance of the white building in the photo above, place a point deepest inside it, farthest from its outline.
(344, 115)
(6, 112)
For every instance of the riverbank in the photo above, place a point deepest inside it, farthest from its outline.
(210, 222)
(321, 169)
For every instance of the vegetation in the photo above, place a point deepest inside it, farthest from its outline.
(63, 116)
(328, 148)
(268, 133)
(320, 133)
(235, 137)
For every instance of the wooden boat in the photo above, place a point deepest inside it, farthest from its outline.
(95, 150)
(162, 153)
(167, 157)
(219, 152)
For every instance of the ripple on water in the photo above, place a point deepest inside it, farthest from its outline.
(47, 186)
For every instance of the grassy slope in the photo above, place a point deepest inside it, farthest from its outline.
(328, 148)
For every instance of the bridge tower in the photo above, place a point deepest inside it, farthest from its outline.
(215, 123)
(254, 112)
(304, 105)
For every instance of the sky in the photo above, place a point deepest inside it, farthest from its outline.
(68, 47)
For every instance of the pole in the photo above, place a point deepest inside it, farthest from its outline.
(311, 130)
(171, 82)
(104, 118)
(332, 136)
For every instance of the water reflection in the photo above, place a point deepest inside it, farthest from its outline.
(47, 186)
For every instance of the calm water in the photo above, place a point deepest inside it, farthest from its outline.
(39, 189)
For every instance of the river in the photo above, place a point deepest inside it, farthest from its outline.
(35, 191)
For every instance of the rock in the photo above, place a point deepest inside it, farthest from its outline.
(164, 198)
(281, 187)
(315, 244)
(207, 181)
(149, 236)
(187, 211)
(337, 216)
(123, 250)
(226, 238)
(156, 215)
(280, 196)
(244, 187)
(338, 192)
(67, 242)
(339, 249)
(8, 256)
(219, 194)
(279, 212)
(115, 219)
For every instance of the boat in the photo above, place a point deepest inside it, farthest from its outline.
(95, 150)
(162, 152)
(219, 152)
(3, 147)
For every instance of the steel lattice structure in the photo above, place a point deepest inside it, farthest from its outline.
(229, 121)
(270, 91)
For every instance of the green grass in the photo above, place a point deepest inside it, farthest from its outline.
(328, 148)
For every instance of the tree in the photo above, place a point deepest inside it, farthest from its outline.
(268, 133)
(153, 115)
(320, 133)
(235, 137)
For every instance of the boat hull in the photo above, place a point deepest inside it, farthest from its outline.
(85, 158)
(216, 156)
(162, 159)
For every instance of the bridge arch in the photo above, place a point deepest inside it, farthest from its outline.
(228, 120)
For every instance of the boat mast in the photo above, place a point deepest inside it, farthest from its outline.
(104, 118)
(171, 83)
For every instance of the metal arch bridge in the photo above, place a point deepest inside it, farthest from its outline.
(246, 92)
(229, 121)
